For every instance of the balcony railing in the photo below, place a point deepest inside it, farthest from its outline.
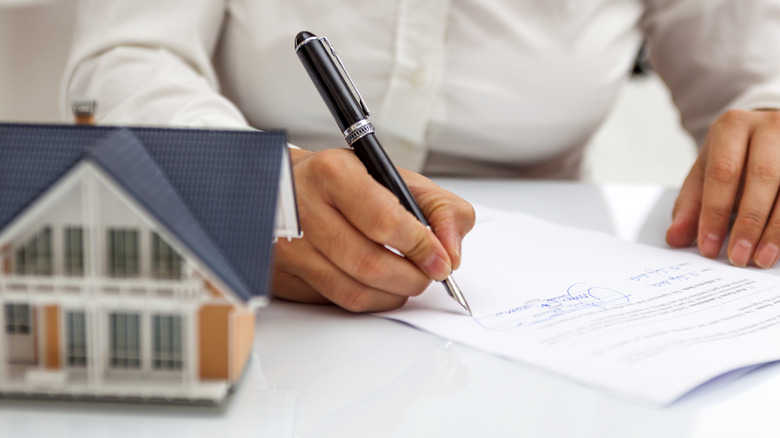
(77, 286)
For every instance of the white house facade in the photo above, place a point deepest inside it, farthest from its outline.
(99, 300)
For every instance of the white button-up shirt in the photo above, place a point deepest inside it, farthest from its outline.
(490, 87)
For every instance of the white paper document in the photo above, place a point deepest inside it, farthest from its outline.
(645, 323)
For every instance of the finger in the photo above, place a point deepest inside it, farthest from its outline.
(291, 288)
(451, 239)
(306, 278)
(450, 216)
(450, 228)
(768, 248)
(762, 178)
(378, 215)
(723, 172)
(685, 215)
(367, 262)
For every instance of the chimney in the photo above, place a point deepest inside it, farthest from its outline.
(84, 111)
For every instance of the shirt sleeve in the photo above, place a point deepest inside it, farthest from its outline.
(715, 55)
(149, 62)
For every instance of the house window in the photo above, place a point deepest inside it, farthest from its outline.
(123, 258)
(166, 345)
(17, 319)
(34, 257)
(166, 262)
(124, 340)
(76, 338)
(74, 251)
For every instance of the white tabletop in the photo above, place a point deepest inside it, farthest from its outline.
(320, 371)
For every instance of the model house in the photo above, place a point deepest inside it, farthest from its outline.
(132, 260)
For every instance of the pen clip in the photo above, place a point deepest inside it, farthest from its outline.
(362, 103)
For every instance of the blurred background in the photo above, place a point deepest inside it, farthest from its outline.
(641, 142)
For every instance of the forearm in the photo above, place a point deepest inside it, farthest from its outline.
(138, 85)
(149, 62)
(716, 56)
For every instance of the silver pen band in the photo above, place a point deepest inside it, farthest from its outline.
(358, 130)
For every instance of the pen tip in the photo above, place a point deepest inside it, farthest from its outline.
(466, 306)
(454, 291)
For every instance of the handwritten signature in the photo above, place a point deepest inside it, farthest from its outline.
(578, 297)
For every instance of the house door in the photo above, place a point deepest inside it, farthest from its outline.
(20, 333)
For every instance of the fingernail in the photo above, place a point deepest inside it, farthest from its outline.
(436, 266)
(767, 255)
(710, 246)
(740, 253)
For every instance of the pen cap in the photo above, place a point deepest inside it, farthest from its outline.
(328, 79)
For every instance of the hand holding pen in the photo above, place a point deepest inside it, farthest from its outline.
(351, 114)
(345, 215)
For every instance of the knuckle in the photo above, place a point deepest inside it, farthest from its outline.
(469, 215)
(358, 300)
(723, 171)
(325, 167)
(370, 268)
(454, 209)
(766, 172)
(773, 117)
(750, 220)
(420, 246)
(457, 207)
(732, 118)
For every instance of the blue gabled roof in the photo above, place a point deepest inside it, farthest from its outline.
(216, 191)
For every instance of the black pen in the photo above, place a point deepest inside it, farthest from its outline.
(351, 114)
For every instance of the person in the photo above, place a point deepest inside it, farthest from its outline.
(489, 88)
